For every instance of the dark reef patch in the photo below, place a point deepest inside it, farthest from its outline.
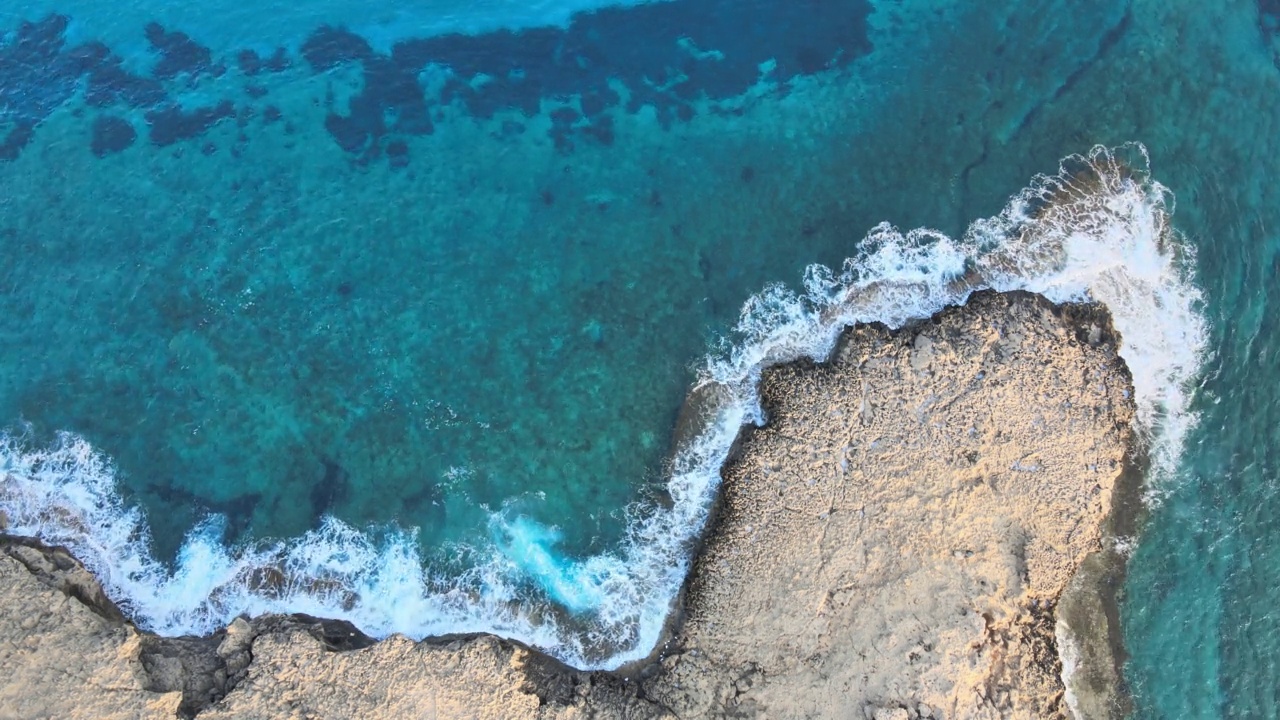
(36, 75)
(1269, 15)
(333, 487)
(39, 73)
(666, 54)
(392, 101)
(350, 133)
(251, 63)
(171, 123)
(111, 135)
(669, 56)
(329, 47)
(595, 102)
(179, 54)
(601, 129)
(17, 138)
(1269, 24)
(398, 153)
(110, 83)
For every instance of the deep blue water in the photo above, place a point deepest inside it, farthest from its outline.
(391, 311)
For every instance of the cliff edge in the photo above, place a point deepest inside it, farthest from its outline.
(893, 544)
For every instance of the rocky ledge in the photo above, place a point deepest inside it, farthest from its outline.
(904, 539)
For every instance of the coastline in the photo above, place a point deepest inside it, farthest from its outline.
(1089, 611)
(253, 666)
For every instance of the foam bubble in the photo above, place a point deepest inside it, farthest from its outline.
(1098, 229)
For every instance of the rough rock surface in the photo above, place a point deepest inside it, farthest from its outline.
(479, 677)
(58, 659)
(893, 544)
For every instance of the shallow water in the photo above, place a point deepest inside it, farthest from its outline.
(431, 309)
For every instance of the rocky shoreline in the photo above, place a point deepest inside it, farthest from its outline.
(895, 543)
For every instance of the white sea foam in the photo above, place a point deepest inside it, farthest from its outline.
(1099, 229)
(1070, 654)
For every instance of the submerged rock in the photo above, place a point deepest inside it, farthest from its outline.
(178, 53)
(111, 135)
(171, 123)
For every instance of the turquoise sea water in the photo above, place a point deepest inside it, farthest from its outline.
(354, 318)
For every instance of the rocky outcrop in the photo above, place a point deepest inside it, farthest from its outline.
(60, 659)
(893, 544)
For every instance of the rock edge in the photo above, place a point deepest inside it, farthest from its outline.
(779, 632)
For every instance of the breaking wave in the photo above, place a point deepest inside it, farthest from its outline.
(1098, 230)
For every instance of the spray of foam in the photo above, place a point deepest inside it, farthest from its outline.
(1098, 229)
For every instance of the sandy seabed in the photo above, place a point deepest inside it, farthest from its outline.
(895, 543)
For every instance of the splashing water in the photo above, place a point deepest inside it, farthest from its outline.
(1098, 230)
